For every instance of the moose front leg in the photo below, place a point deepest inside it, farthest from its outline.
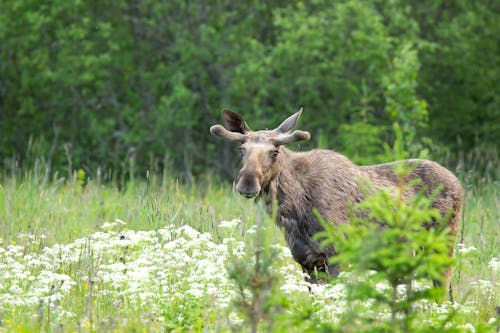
(313, 260)
(308, 252)
(321, 271)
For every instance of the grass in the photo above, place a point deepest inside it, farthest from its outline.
(75, 273)
(65, 210)
(480, 236)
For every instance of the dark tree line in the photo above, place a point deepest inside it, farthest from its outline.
(102, 85)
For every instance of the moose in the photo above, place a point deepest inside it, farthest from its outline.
(319, 179)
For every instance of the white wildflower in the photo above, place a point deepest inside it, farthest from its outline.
(292, 286)
(229, 224)
(494, 265)
(483, 284)
(252, 230)
(29, 237)
(119, 222)
(468, 328)
(462, 249)
(234, 319)
(283, 251)
(382, 287)
(107, 226)
(189, 232)
(197, 293)
(112, 225)
(237, 248)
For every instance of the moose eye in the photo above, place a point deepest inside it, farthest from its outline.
(275, 153)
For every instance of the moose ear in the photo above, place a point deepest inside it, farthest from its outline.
(288, 124)
(233, 122)
(283, 131)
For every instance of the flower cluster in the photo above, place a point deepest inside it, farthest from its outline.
(28, 279)
(494, 265)
(139, 269)
(462, 249)
(165, 272)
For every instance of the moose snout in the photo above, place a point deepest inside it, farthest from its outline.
(249, 195)
(248, 185)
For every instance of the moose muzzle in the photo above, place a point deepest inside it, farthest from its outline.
(248, 184)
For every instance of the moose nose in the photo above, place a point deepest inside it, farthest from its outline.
(248, 195)
(248, 187)
(248, 184)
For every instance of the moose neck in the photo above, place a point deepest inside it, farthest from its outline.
(280, 184)
(299, 172)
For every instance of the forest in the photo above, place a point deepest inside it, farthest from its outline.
(104, 85)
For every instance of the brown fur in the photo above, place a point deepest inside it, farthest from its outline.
(321, 179)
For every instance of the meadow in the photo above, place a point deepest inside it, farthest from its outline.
(81, 255)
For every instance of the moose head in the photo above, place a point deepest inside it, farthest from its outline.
(259, 150)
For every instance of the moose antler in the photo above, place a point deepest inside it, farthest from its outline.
(292, 137)
(220, 131)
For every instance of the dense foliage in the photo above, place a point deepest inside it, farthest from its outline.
(109, 84)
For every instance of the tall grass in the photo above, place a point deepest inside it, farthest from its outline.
(477, 271)
(62, 210)
(174, 233)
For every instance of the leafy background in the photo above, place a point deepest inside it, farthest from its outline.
(104, 85)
